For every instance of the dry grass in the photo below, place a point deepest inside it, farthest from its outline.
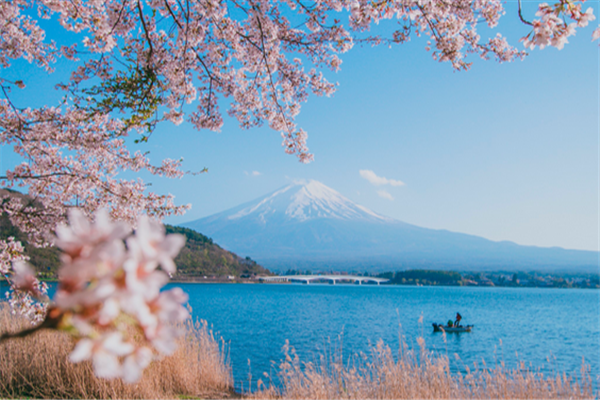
(37, 366)
(413, 374)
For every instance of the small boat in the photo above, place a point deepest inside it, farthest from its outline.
(451, 329)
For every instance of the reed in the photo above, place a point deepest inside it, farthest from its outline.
(413, 375)
(37, 366)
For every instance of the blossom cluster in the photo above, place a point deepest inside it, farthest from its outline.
(552, 29)
(109, 292)
(26, 294)
(29, 305)
(74, 157)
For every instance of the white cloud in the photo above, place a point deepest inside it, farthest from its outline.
(378, 180)
(385, 195)
(253, 173)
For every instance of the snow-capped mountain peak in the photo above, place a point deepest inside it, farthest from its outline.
(304, 200)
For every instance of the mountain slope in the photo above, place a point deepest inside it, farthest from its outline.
(308, 225)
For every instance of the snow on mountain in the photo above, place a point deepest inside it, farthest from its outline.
(305, 200)
(311, 226)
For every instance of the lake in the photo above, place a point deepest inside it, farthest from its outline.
(549, 329)
(552, 330)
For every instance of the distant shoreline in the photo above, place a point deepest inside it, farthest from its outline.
(548, 283)
(254, 282)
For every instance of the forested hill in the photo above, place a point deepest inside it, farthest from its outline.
(201, 257)
(198, 258)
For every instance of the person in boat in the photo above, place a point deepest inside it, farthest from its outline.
(458, 318)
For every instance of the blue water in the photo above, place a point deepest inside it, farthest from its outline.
(552, 330)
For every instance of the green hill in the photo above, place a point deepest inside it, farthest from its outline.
(199, 257)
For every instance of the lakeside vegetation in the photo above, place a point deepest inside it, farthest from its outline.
(429, 277)
(37, 367)
(502, 279)
(413, 374)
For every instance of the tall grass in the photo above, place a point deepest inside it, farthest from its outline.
(37, 366)
(412, 374)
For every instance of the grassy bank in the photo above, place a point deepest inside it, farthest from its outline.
(413, 375)
(37, 367)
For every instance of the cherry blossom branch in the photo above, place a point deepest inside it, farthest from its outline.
(119, 18)
(142, 20)
(270, 75)
(523, 20)
(43, 176)
(9, 101)
(198, 57)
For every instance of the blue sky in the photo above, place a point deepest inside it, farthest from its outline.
(503, 151)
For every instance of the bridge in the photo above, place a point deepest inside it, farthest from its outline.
(333, 279)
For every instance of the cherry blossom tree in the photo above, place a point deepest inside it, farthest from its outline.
(135, 64)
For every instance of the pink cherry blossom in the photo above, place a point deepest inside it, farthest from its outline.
(24, 278)
(10, 251)
(26, 293)
(24, 304)
(552, 28)
(134, 364)
(121, 282)
(104, 353)
(81, 236)
(153, 247)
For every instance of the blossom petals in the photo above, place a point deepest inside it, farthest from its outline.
(104, 287)
(135, 363)
(24, 278)
(82, 351)
(596, 34)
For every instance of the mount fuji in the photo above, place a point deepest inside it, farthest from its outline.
(307, 225)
